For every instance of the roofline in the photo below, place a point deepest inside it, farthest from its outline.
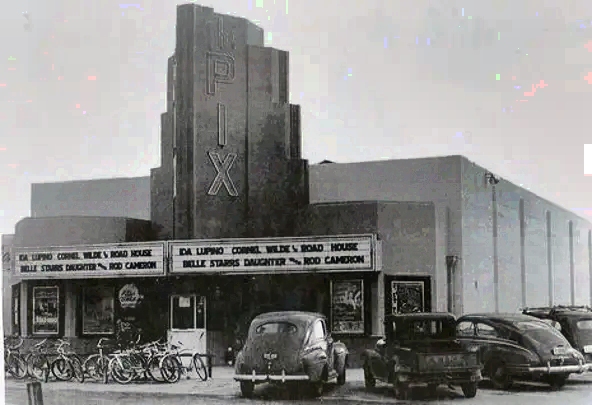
(87, 180)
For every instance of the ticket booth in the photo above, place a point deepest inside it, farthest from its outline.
(188, 321)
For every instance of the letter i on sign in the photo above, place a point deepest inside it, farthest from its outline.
(588, 159)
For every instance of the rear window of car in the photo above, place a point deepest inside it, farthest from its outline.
(587, 324)
(273, 328)
(541, 332)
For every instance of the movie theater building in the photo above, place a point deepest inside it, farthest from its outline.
(237, 223)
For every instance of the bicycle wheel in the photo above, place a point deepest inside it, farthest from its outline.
(76, 365)
(200, 367)
(153, 368)
(121, 369)
(95, 366)
(170, 367)
(61, 368)
(38, 366)
(17, 366)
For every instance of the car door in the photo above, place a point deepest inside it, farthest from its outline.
(491, 345)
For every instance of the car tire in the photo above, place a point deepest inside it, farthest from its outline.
(316, 389)
(401, 390)
(557, 381)
(498, 374)
(247, 389)
(470, 389)
(433, 389)
(341, 377)
(369, 380)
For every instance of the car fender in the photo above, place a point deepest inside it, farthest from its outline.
(240, 359)
(314, 363)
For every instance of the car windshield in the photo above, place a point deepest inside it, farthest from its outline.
(425, 329)
(542, 333)
(275, 328)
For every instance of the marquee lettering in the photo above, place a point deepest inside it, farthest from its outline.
(222, 174)
(220, 68)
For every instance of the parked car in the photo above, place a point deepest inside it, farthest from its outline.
(574, 322)
(519, 347)
(290, 346)
(421, 348)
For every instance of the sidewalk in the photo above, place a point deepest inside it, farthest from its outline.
(221, 385)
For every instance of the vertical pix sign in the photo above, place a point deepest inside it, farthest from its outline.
(323, 253)
(93, 261)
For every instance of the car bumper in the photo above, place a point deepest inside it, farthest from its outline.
(548, 369)
(452, 377)
(283, 377)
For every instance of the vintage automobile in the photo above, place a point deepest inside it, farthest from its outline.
(574, 322)
(290, 346)
(519, 347)
(421, 348)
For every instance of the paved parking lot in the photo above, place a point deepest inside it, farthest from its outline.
(222, 389)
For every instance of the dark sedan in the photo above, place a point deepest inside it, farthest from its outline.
(575, 322)
(290, 346)
(520, 347)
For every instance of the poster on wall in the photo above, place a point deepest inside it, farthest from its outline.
(347, 306)
(98, 313)
(407, 296)
(46, 304)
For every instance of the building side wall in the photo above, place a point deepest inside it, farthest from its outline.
(407, 232)
(534, 265)
(72, 231)
(120, 197)
(434, 180)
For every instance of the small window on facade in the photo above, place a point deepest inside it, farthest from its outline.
(98, 310)
(46, 310)
(486, 330)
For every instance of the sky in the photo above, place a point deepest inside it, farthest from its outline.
(506, 83)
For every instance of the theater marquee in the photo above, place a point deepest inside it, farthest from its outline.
(336, 253)
(96, 261)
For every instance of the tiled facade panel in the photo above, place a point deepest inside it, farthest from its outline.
(477, 250)
(408, 235)
(581, 268)
(535, 253)
(419, 180)
(508, 222)
(560, 255)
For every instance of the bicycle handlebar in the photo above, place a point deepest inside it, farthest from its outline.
(44, 341)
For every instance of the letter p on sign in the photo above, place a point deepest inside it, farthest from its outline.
(588, 159)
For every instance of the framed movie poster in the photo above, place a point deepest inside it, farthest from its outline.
(98, 311)
(347, 306)
(46, 310)
(407, 296)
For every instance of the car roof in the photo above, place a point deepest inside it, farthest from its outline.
(289, 315)
(420, 315)
(558, 312)
(506, 318)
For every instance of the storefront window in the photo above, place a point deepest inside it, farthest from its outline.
(46, 304)
(347, 306)
(97, 310)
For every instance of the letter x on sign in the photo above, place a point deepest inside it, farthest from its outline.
(222, 175)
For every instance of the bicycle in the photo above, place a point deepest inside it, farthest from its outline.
(96, 365)
(131, 364)
(38, 361)
(68, 365)
(172, 366)
(14, 362)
